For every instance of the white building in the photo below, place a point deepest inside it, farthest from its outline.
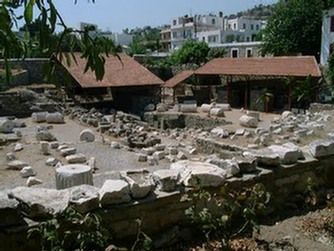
(327, 37)
(187, 28)
(212, 29)
(240, 50)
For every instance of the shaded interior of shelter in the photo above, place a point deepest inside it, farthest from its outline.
(270, 94)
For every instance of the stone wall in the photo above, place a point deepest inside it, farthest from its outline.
(33, 66)
(318, 107)
(162, 210)
(181, 120)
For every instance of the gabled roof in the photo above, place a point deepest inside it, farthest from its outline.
(177, 79)
(118, 73)
(300, 66)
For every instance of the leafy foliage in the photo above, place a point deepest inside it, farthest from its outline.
(294, 27)
(234, 211)
(42, 36)
(72, 231)
(191, 52)
(216, 53)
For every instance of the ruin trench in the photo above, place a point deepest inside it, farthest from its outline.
(162, 210)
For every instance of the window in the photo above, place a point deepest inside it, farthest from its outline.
(252, 26)
(203, 39)
(234, 26)
(332, 24)
(234, 53)
(213, 21)
(247, 39)
(257, 27)
(244, 26)
(212, 39)
(174, 34)
(249, 53)
(229, 26)
(174, 22)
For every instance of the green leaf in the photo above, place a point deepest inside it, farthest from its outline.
(28, 12)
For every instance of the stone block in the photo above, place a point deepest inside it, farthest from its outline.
(206, 107)
(115, 145)
(217, 112)
(264, 157)
(188, 108)
(55, 118)
(224, 106)
(248, 121)
(321, 148)
(39, 117)
(9, 210)
(40, 202)
(45, 147)
(73, 175)
(51, 161)
(68, 151)
(193, 173)
(114, 192)
(253, 114)
(10, 156)
(84, 198)
(158, 155)
(76, 158)
(166, 179)
(6, 126)
(16, 165)
(219, 132)
(229, 166)
(18, 147)
(142, 157)
(139, 182)
(288, 153)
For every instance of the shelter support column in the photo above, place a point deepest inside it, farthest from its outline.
(246, 94)
(290, 98)
(228, 90)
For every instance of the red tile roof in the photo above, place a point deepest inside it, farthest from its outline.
(177, 79)
(300, 66)
(127, 72)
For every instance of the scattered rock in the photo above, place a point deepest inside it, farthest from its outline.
(45, 147)
(51, 161)
(73, 175)
(32, 181)
(10, 156)
(27, 172)
(18, 147)
(115, 145)
(39, 117)
(6, 126)
(68, 151)
(248, 121)
(264, 157)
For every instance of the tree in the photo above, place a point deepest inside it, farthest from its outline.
(294, 27)
(191, 52)
(12, 46)
(216, 53)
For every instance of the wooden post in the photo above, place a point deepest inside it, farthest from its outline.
(246, 94)
(228, 94)
(290, 97)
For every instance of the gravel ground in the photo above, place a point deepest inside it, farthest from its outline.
(109, 161)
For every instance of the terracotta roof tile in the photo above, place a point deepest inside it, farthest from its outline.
(300, 66)
(177, 79)
(127, 72)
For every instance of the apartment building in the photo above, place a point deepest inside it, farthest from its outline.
(215, 30)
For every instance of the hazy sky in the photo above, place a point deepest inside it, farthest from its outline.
(116, 15)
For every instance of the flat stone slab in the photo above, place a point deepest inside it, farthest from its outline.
(139, 182)
(16, 165)
(114, 192)
(9, 211)
(321, 148)
(76, 158)
(264, 157)
(68, 151)
(288, 153)
(84, 198)
(195, 173)
(40, 202)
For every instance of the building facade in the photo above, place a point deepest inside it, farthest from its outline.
(212, 29)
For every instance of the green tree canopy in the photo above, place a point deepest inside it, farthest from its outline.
(48, 18)
(294, 27)
(191, 52)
